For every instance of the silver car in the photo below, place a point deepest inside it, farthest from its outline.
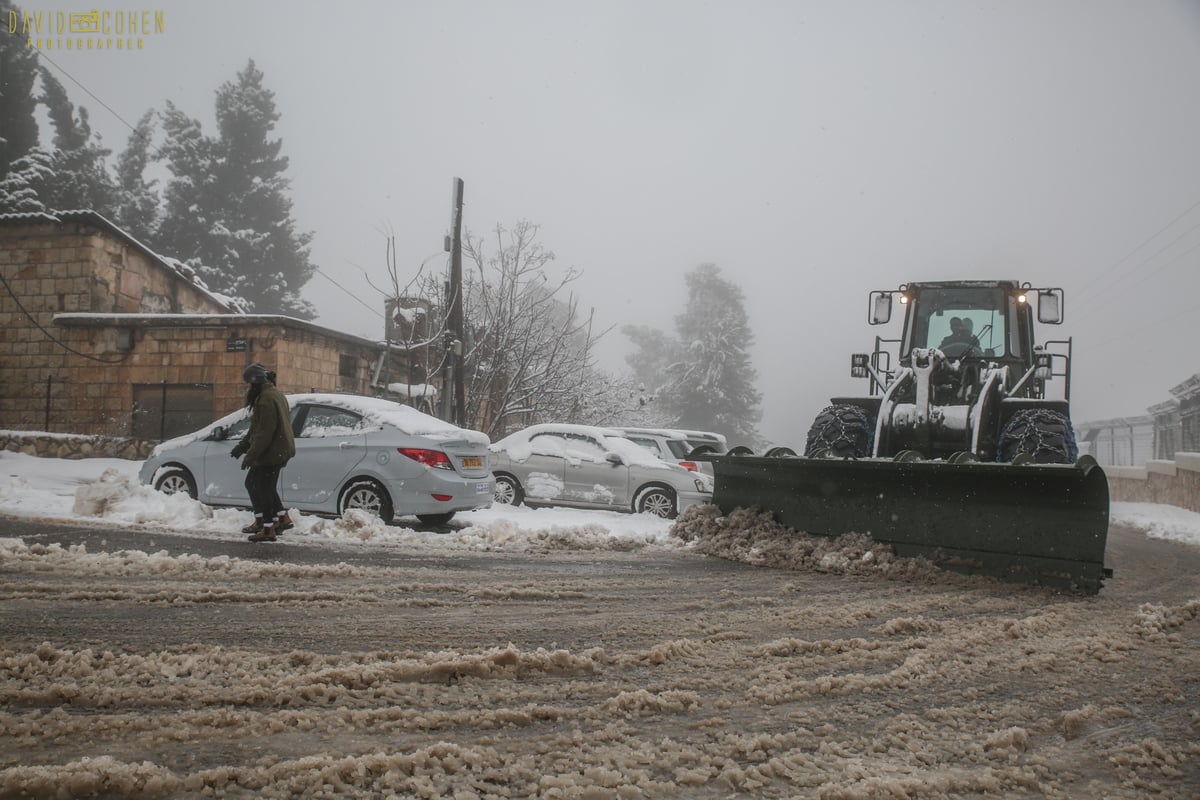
(351, 452)
(586, 467)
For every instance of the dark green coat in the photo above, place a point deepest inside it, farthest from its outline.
(269, 442)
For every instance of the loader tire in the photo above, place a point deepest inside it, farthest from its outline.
(1045, 436)
(844, 431)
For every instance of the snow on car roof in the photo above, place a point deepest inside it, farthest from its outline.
(519, 447)
(384, 412)
(397, 415)
(676, 433)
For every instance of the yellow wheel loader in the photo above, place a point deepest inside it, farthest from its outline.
(958, 453)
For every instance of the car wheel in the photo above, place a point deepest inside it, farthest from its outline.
(436, 519)
(367, 495)
(655, 500)
(174, 480)
(508, 491)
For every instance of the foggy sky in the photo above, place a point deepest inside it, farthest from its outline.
(813, 150)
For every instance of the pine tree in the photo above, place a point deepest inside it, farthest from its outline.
(228, 212)
(21, 188)
(18, 104)
(704, 375)
(191, 206)
(81, 179)
(137, 200)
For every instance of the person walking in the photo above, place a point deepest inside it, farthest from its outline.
(267, 446)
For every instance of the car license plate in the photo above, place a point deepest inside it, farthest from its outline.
(483, 488)
(473, 461)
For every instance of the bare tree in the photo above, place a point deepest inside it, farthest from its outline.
(529, 353)
(529, 350)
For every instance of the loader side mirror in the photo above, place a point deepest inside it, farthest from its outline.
(858, 365)
(881, 307)
(1050, 306)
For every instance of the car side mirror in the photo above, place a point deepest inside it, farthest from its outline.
(219, 434)
(614, 458)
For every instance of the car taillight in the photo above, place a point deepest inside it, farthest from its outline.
(430, 458)
(442, 497)
(690, 466)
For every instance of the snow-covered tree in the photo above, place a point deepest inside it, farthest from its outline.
(703, 375)
(18, 103)
(137, 200)
(191, 207)
(80, 177)
(228, 212)
(21, 187)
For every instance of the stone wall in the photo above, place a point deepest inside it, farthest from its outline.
(1175, 483)
(48, 445)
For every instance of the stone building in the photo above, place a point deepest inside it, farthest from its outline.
(102, 336)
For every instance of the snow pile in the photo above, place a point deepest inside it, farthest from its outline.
(753, 537)
(1158, 521)
(52, 489)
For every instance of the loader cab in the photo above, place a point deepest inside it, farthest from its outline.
(967, 322)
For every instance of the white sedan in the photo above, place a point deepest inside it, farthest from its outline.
(587, 467)
(351, 452)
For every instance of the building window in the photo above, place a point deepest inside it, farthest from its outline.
(165, 410)
(348, 366)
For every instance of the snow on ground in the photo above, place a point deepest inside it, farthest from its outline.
(546, 669)
(107, 489)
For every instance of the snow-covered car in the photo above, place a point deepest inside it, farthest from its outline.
(587, 467)
(351, 452)
(671, 444)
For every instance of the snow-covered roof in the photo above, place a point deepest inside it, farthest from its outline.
(83, 319)
(172, 265)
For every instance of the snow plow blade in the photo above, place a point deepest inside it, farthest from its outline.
(1039, 524)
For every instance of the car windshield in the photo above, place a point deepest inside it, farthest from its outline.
(632, 453)
(962, 320)
(679, 448)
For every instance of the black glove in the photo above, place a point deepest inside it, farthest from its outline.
(245, 464)
(234, 454)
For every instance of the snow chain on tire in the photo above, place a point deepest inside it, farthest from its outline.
(843, 430)
(1046, 436)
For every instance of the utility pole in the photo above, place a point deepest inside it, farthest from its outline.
(457, 369)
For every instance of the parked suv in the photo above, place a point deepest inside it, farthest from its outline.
(677, 446)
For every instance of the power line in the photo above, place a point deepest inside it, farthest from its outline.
(1094, 283)
(51, 336)
(42, 54)
(356, 298)
(1127, 333)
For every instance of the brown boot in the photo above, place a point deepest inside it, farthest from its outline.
(283, 523)
(267, 534)
(254, 527)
